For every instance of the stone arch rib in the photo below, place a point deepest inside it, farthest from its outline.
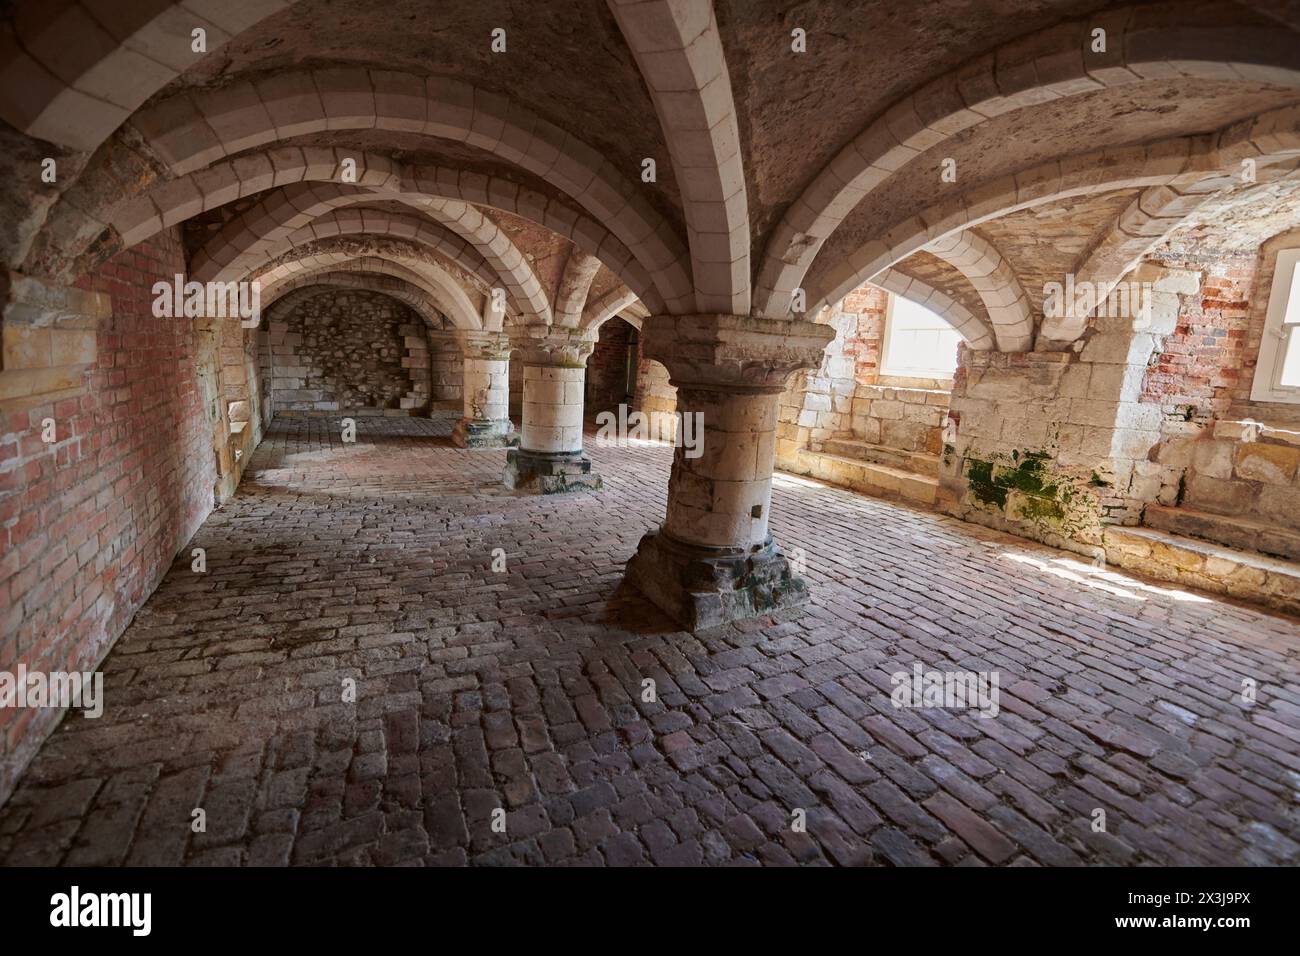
(679, 52)
(1193, 164)
(970, 327)
(189, 132)
(996, 284)
(72, 77)
(1145, 43)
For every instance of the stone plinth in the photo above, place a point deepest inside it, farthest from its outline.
(549, 473)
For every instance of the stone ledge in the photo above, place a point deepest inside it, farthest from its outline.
(1209, 567)
(918, 462)
(1228, 531)
(877, 480)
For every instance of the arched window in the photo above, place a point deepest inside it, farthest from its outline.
(918, 342)
(1277, 375)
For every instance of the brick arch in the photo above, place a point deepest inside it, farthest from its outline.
(1200, 164)
(679, 52)
(1144, 43)
(82, 78)
(189, 132)
(247, 241)
(996, 283)
(442, 288)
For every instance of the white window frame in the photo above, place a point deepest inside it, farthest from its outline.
(884, 347)
(1267, 386)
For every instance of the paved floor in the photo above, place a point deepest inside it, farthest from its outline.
(522, 690)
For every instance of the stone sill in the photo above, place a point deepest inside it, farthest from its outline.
(910, 383)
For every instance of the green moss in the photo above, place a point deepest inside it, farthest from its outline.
(1098, 481)
(1041, 509)
(1023, 485)
(987, 494)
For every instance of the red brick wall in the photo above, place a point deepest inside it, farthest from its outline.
(89, 525)
(1204, 366)
(607, 367)
(865, 346)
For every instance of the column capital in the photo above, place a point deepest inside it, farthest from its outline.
(478, 344)
(547, 345)
(733, 352)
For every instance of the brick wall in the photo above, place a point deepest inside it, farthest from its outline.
(90, 524)
(1204, 365)
(865, 343)
(347, 351)
(606, 386)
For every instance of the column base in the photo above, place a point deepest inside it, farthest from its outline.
(549, 473)
(707, 587)
(484, 433)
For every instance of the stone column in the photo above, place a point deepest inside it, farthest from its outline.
(713, 560)
(486, 392)
(550, 458)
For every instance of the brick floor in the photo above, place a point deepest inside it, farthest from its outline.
(478, 691)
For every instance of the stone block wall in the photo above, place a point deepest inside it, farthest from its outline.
(90, 523)
(849, 397)
(655, 396)
(908, 419)
(350, 350)
(1055, 445)
(1244, 469)
(446, 370)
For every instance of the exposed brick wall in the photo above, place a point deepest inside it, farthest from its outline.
(345, 350)
(865, 344)
(1205, 364)
(89, 525)
(607, 367)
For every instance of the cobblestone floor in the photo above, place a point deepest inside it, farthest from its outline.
(522, 690)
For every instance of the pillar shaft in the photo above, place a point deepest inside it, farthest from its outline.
(720, 499)
(713, 560)
(485, 392)
(552, 420)
(550, 457)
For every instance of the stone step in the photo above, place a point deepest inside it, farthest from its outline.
(883, 481)
(913, 461)
(1210, 567)
(1229, 531)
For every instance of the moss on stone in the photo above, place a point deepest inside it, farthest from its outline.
(1053, 503)
(989, 494)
